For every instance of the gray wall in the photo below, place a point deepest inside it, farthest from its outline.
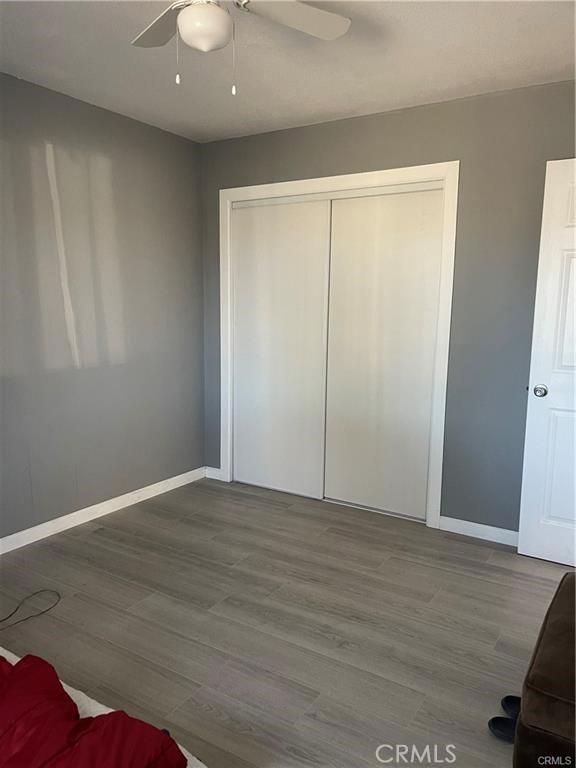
(503, 142)
(101, 318)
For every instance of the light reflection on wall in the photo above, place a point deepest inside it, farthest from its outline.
(80, 320)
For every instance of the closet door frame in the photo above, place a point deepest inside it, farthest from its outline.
(438, 176)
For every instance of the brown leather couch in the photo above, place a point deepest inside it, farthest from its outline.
(545, 728)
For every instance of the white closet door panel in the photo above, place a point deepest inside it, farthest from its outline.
(280, 255)
(384, 295)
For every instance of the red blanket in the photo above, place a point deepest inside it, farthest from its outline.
(40, 727)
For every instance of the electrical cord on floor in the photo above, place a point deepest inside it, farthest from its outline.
(32, 615)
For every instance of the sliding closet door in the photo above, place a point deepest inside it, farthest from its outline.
(384, 294)
(280, 255)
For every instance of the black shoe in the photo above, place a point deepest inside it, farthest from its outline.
(511, 705)
(503, 728)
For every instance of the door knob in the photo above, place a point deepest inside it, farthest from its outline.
(540, 390)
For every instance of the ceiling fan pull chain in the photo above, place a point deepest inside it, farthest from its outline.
(234, 59)
(177, 57)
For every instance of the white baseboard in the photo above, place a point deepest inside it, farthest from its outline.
(215, 473)
(478, 531)
(20, 539)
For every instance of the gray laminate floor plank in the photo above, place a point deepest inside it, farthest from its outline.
(170, 543)
(520, 598)
(407, 657)
(296, 662)
(255, 735)
(91, 578)
(360, 734)
(374, 609)
(267, 630)
(306, 571)
(285, 546)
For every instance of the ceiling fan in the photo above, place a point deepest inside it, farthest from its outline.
(206, 25)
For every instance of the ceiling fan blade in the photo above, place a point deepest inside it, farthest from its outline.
(161, 30)
(305, 18)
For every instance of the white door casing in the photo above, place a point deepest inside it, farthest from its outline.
(548, 509)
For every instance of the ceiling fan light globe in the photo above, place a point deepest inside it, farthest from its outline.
(205, 26)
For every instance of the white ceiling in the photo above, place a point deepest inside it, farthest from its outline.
(397, 54)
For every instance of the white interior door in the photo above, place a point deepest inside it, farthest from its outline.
(280, 256)
(548, 509)
(384, 301)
